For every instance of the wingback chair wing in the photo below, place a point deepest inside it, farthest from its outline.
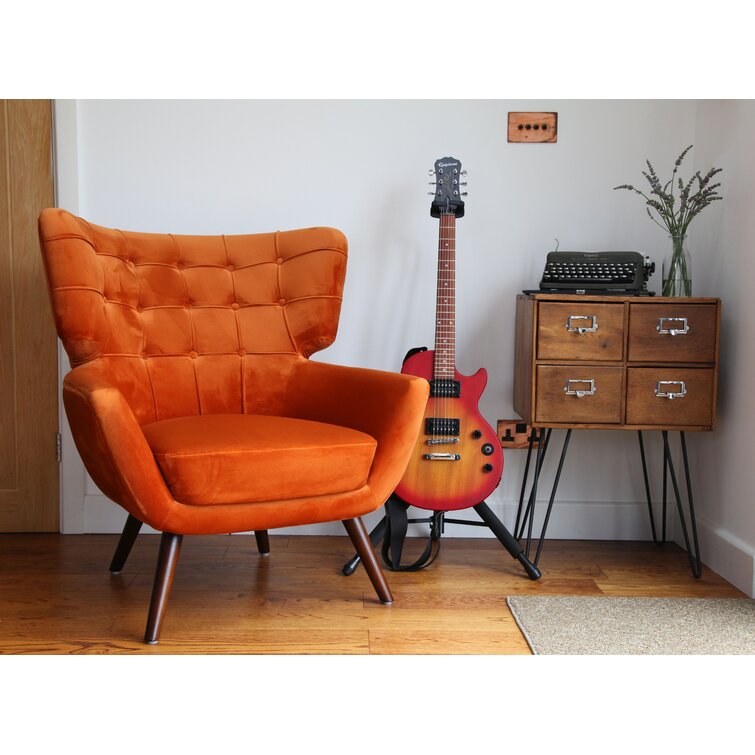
(192, 399)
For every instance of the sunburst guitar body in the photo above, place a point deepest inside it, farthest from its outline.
(433, 480)
(457, 461)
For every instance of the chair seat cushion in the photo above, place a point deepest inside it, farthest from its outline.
(247, 458)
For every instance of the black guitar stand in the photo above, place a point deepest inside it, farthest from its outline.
(391, 531)
(543, 436)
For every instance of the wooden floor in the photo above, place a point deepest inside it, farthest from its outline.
(57, 596)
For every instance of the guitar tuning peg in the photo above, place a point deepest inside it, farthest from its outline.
(431, 172)
(464, 173)
(462, 183)
(430, 193)
(464, 193)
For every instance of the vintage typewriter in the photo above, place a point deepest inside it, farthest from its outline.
(623, 273)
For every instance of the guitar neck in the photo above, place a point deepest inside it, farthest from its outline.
(445, 302)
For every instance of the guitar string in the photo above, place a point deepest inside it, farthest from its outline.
(440, 377)
(443, 364)
(439, 314)
(445, 319)
(445, 257)
(439, 346)
(451, 275)
(438, 342)
(449, 239)
(447, 352)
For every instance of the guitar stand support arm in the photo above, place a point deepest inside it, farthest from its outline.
(506, 539)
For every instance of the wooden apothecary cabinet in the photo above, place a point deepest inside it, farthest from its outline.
(625, 362)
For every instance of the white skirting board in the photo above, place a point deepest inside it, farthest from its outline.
(569, 520)
(728, 556)
(720, 551)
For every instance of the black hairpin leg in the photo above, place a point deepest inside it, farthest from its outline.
(665, 497)
(668, 468)
(553, 495)
(647, 487)
(543, 440)
(529, 515)
(694, 558)
(525, 520)
(533, 436)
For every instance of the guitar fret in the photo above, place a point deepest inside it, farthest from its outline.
(445, 318)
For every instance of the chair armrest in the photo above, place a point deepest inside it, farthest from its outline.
(111, 444)
(386, 405)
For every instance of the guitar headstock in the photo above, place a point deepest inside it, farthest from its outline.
(447, 197)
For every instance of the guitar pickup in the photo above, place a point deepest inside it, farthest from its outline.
(442, 457)
(442, 426)
(445, 388)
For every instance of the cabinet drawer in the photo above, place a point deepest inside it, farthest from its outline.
(672, 332)
(578, 394)
(688, 399)
(582, 331)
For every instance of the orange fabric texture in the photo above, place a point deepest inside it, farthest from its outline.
(244, 458)
(161, 327)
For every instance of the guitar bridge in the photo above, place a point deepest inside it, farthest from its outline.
(442, 457)
(441, 441)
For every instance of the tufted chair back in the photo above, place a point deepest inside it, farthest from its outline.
(188, 325)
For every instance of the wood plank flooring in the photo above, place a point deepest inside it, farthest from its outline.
(57, 596)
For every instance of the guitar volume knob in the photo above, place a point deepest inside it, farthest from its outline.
(487, 468)
(487, 449)
(477, 434)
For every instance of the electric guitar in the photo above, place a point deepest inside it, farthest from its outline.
(457, 461)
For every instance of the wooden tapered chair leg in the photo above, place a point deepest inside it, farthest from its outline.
(170, 548)
(263, 542)
(361, 540)
(128, 537)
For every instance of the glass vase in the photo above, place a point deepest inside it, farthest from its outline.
(677, 269)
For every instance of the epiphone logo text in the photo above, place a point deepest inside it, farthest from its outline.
(447, 165)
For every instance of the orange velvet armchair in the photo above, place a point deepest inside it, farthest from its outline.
(191, 397)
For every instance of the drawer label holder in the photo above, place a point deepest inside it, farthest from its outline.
(579, 392)
(665, 330)
(665, 393)
(581, 328)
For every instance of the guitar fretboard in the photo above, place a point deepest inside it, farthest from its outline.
(445, 302)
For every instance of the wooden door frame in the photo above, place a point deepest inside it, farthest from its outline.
(31, 487)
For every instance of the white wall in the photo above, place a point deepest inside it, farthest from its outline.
(721, 242)
(248, 166)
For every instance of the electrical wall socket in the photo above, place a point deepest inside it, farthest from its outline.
(533, 127)
(513, 433)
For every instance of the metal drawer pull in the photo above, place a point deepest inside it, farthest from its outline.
(579, 393)
(668, 331)
(593, 327)
(681, 393)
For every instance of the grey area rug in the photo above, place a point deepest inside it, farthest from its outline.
(635, 626)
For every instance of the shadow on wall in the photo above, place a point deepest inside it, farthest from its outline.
(398, 277)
